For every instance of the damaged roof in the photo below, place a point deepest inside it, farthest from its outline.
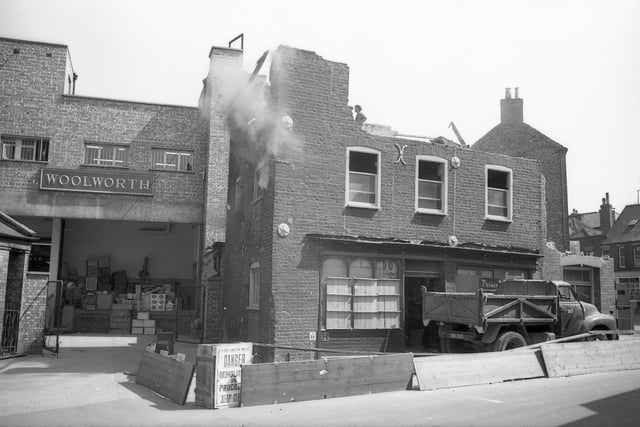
(626, 228)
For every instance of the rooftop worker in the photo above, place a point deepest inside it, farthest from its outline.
(360, 117)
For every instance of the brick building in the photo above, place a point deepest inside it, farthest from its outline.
(588, 230)
(333, 230)
(119, 194)
(514, 137)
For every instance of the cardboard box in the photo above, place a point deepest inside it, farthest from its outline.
(157, 307)
(149, 331)
(136, 323)
(137, 331)
(149, 323)
(104, 301)
(143, 315)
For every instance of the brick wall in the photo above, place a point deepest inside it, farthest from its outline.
(32, 313)
(4, 271)
(307, 191)
(32, 104)
(607, 286)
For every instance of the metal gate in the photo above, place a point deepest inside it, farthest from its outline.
(10, 329)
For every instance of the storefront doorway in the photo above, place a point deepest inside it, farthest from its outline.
(417, 337)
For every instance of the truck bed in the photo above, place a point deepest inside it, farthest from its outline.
(484, 308)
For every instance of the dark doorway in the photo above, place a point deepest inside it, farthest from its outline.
(417, 337)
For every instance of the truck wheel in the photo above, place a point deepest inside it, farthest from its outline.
(509, 340)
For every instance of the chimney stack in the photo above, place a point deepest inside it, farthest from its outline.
(606, 219)
(511, 108)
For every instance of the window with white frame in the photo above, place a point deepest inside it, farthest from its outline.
(26, 149)
(363, 178)
(498, 193)
(254, 286)
(238, 193)
(179, 160)
(260, 179)
(622, 259)
(361, 293)
(431, 185)
(98, 154)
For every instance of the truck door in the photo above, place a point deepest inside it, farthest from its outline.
(571, 311)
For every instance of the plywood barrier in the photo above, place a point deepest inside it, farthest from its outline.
(456, 370)
(165, 375)
(568, 359)
(268, 383)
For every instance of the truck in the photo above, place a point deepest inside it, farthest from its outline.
(506, 314)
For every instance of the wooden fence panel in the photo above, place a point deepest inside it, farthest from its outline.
(456, 370)
(577, 358)
(268, 383)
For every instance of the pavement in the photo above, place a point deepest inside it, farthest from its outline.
(92, 383)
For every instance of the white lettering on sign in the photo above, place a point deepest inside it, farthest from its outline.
(90, 181)
(228, 372)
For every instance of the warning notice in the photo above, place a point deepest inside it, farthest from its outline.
(228, 378)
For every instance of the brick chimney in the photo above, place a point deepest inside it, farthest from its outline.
(605, 216)
(511, 108)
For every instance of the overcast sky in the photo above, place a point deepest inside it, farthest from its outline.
(414, 65)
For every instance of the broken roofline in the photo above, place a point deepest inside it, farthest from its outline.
(423, 243)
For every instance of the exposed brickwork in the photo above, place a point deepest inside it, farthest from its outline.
(607, 286)
(32, 313)
(307, 191)
(4, 271)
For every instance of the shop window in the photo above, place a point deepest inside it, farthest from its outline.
(363, 178)
(39, 257)
(431, 185)
(106, 155)
(26, 149)
(355, 299)
(254, 286)
(622, 259)
(162, 158)
(498, 193)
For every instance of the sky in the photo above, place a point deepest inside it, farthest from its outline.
(414, 65)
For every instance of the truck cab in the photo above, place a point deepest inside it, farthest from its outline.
(577, 317)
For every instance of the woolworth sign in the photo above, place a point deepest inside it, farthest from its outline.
(91, 181)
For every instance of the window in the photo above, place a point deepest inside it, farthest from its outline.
(238, 193)
(622, 260)
(254, 286)
(162, 158)
(636, 256)
(40, 256)
(106, 154)
(28, 149)
(431, 185)
(363, 178)
(260, 179)
(498, 195)
(359, 297)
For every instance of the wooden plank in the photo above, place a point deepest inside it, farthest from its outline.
(166, 376)
(577, 358)
(458, 370)
(268, 383)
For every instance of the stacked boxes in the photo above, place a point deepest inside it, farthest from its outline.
(143, 325)
(157, 302)
(120, 319)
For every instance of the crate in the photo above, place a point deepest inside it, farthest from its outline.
(143, 315)
(137, 331)
(149, 331)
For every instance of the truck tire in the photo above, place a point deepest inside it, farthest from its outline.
(509, 340)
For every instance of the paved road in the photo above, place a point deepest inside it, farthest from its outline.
(88, 386)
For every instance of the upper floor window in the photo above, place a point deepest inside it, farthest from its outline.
(363, 178)
(636, 256)
(106, 154)
(179, 160)
(254, 286)
(498, 193)
(260, 179)
(622, 259)
(238, 193)
(431, 185)
(28, 149)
